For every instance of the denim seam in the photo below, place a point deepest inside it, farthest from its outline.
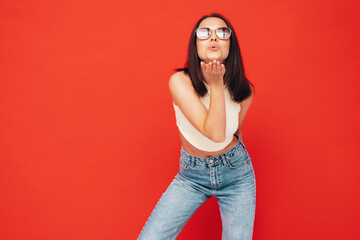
(212, 177)
(250, 237)
(219, 177)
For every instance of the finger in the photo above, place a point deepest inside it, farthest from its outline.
(223, 67)
(210, 66)
(206, 66)
(218, 66)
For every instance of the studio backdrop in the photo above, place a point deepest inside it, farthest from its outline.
(88, 140)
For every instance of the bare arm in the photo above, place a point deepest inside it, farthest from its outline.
(211, 123)
(245, 105)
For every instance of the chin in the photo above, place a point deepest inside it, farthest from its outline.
(215, 56)
(217, 59)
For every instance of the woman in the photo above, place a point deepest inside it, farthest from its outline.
(211, 96)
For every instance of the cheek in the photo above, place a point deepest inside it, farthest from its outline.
(226, 50)
(200, 48)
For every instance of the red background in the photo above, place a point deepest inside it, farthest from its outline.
(88, 141)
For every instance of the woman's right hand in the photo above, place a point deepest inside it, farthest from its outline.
(213, 72)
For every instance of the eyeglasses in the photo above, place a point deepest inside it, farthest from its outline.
(205, 32)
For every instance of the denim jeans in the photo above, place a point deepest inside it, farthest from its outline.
(229, 177)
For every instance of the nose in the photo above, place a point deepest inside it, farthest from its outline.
(213, 36)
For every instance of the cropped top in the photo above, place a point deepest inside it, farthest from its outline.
(197, 139)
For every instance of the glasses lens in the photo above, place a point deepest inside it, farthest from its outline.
(203, 33)
(223, 33)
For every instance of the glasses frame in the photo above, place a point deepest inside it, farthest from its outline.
(196, 33)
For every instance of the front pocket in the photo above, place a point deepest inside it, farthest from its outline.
(184, 163)
(238, 161)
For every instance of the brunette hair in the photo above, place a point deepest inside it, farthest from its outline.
(239, 86)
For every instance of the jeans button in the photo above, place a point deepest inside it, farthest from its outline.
(211, 161)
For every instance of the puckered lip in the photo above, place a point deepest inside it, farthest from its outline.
(213, 47)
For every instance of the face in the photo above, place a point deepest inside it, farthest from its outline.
(213, 48)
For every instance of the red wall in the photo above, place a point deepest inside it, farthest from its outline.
(88, 141)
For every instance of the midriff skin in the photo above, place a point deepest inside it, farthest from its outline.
(189, 148)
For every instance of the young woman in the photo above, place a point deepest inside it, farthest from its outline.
(211, 96)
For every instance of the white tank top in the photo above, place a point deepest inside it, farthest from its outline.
(197, 139)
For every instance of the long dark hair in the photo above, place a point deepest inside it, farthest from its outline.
(239, 86)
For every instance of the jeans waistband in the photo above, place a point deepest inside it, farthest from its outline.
(228, 154)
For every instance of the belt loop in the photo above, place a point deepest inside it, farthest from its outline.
(223, 160)
(192, 161)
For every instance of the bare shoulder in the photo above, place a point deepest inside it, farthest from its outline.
(179, 79)
(180, 87)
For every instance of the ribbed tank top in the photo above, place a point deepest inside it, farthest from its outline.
(197, 139)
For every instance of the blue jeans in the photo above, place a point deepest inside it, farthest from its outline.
(229, 177)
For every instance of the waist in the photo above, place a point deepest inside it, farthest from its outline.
(193, 151)
(228, 153)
